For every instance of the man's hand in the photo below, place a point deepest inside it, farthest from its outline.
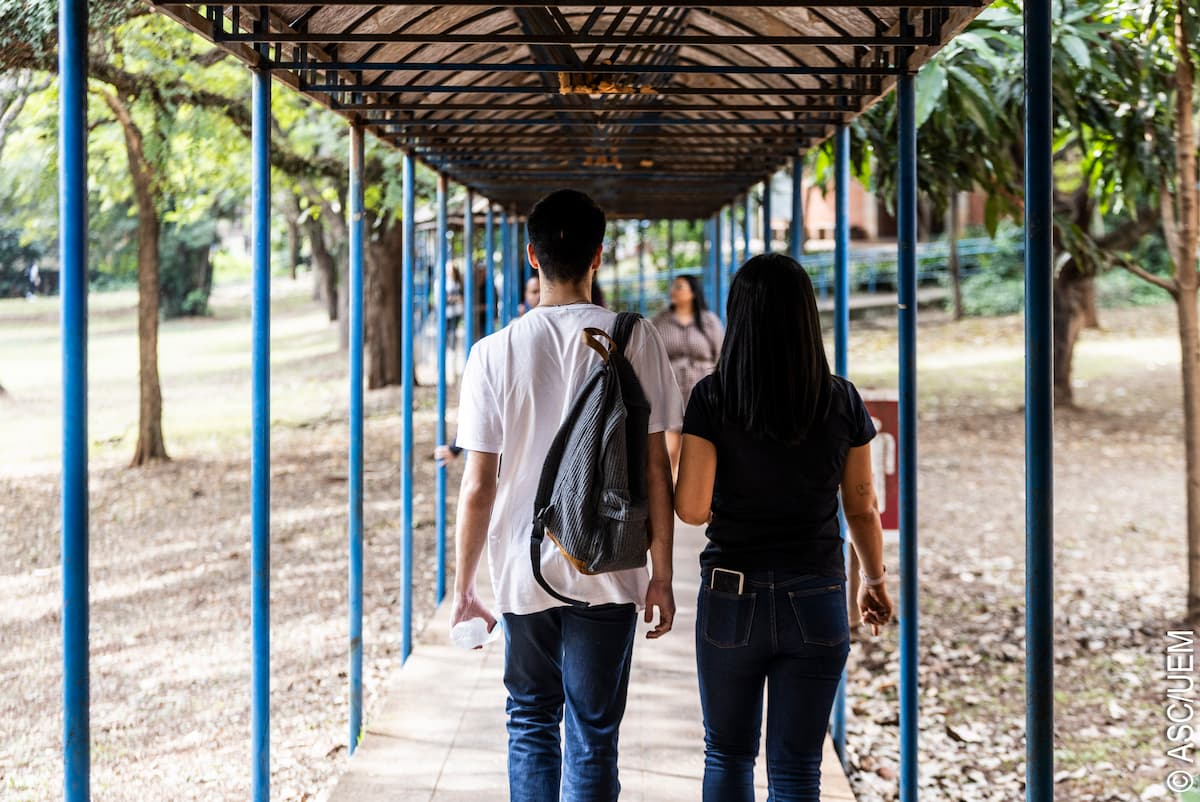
(660, 595)
(467, 606)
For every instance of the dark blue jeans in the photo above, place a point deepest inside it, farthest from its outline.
(577, 660)
(790, 632)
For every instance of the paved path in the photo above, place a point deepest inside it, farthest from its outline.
(440, 736)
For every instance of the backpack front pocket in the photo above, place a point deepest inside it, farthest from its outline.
(621, 531)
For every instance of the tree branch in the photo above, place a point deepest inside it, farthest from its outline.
(13, 102)
(1169, 285)
(236, 111)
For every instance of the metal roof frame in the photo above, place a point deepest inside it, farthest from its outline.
(516, 98)
(519, 97)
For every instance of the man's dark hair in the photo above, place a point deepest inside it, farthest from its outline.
(565, 228)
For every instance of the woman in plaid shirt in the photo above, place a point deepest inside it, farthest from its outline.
(693, 337)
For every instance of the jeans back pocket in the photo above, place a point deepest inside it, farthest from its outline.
(822, 614)
(726, 618)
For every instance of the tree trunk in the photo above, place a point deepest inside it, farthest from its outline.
(1091, 313)
(324, 265)
(1189, 342)
(339, 234)
(1182, 226)
(292, 217)
(955, 270)
(150, 444)
(1069, 304)
(343, 309)
(382, 300)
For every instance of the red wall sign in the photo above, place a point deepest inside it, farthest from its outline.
(885, 459)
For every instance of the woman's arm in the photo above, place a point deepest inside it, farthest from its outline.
(697, 472)
(862, 510)
(866, 532)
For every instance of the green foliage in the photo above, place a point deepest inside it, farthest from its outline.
(985, 294)
(15, 258)
(29, 28)
(998, 288)
(185, 267)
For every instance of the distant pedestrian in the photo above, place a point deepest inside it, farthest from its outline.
(532, 296)
(33, 279)
(768, 440)
(693, 336)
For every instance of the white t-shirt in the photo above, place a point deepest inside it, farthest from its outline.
(517, 388)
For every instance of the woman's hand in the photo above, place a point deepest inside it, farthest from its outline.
(875, 606)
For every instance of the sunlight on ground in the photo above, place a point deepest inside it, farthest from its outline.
(207, 354)
(206, 400)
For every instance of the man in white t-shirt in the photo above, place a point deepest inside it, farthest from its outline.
(562, 664)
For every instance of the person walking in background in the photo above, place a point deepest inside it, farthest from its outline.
(768, 440)
(563, 665)
(693, 337)
(532, 296)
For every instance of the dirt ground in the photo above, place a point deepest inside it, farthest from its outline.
(170, 559)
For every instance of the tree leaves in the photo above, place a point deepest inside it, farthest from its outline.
(930, 85)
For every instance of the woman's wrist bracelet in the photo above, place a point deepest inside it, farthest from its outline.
(874, 581)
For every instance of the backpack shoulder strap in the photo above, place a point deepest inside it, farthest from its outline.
(545, 492)
(623, 329)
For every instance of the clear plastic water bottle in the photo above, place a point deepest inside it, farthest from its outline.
(473, 633)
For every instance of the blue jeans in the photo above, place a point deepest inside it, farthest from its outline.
(577, 660)
(790, 632)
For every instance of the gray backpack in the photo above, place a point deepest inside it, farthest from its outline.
(591, 500)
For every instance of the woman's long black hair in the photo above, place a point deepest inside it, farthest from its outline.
(772, 379)
(698, 303)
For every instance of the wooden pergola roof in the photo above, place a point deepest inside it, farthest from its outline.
(664, 110)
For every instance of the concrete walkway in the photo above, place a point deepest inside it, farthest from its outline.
(440, 736)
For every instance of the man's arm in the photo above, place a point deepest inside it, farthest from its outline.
(662, 535)
(475, 499)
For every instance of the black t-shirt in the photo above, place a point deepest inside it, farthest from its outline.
(775, 504)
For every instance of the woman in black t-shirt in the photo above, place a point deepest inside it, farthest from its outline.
(768, 440)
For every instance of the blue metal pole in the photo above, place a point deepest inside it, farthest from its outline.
(356, 431)
(522, 258)
(407, 368)
(747, 227)
(1039, 405)
(841, 339)
(797, 238)
(468, 282)
(730, 266)
(489, 289)
(73, 256)
(670, 252)
(505, 269)
(906, 224)
(714, 262)
(766, 214)
(260, 450)
(440, 488)
(616, 271)
(641, 262)
(519, 264)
